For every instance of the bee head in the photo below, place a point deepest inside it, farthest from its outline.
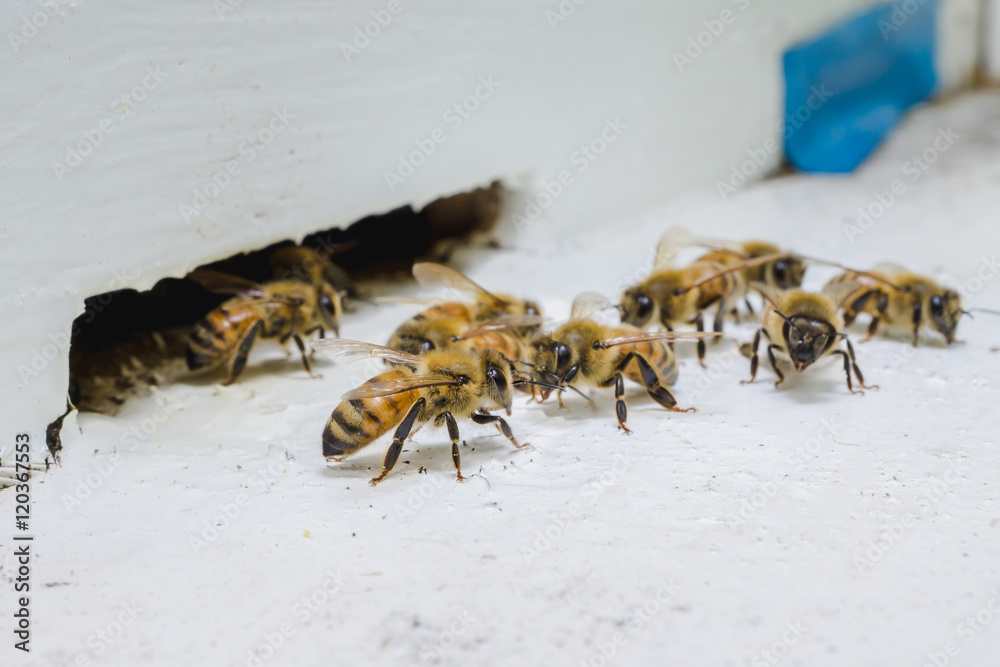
(636, 307)
(552, 359)
(945, 310)
(499, 379)
(787, 272)
(807, 339)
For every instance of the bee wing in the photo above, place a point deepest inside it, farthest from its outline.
(220, 282)
(673, 241)
(642, 337)
(429, 274)
(770, 293)
(842, 292)
(587, 305)
(345, 351)
(420, 301)
(399, 385)
(763, 259)
(501, 323)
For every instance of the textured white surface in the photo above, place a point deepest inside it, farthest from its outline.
(756, 509)
(160, 98)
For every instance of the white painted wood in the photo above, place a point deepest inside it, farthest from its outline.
(157, 99)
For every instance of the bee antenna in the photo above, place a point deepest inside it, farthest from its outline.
(980, 310)
(522, 361)
(538, 383)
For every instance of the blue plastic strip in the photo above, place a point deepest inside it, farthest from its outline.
(847, 88)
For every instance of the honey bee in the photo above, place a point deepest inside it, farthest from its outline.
(279, 309)
(298, 262)
(586, 352)
(439, 386)
(899, 299)
(680, 295)
(785, 270)
(438, 327)
(803, 327)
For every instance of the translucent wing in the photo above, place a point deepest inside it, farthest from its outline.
(419, 301)
(587, 305)
(890, 271)
(673, 241)
(429, 274)
(398, 385)
(641, 337)
(842, 292)
(345, 351)
(756, 261)
(501, 323)
(225, 283)
(770, 293)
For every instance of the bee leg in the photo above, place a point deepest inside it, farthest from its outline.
(774, 363)
(857, 371)
(456, 457)
(242, 352)
(305, 357)
(749, 306)
(736, 315)
(620, 410)
(322, 333)
(720, 315)
(700, 323)
(851, 312)
(392, 455)
(667, 327)
(918, 310)
(883, 303)
(657, 391)
(501, 424)
(754, 359)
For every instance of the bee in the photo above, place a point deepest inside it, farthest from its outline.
(899, 299)
(680, 295)
(785, 270)
(296, 262)
(803, 327)
(439, 386)
(438, 327)
(586, 352)
(279, 309)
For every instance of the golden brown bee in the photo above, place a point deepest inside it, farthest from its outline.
(784, 271)
(679, 295)
(803, 327)
(296, 262)
(440, 386)
(586, 352)
(900, 299)
(436, 328)
(280, 309)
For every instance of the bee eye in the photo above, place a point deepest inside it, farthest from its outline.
(562, 357)
(937, 306)
(497, 378)
(781, 273)
(530, 309)
(644, 307)
(326, 303)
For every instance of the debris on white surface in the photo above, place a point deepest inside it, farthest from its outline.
(804, 525)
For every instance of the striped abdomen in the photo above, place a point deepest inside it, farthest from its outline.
(660, 357)
(725, 286)
(358, 422)
(217, 335)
